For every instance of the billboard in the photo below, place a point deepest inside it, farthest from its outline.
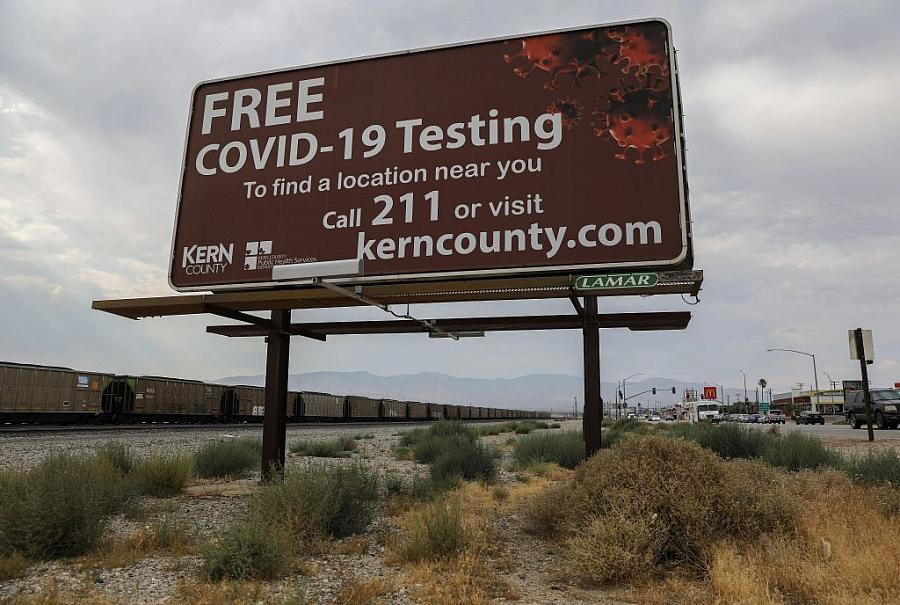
(710, 393)
(533, 155)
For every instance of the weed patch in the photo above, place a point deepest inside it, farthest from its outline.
(162, 475)
(331, 448)
(689, 497)
(564, 448)
(60, 507)
(432, 532)
(796, 451)
(876, 468)
(227, 459)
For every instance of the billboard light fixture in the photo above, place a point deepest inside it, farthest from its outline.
(348, 267)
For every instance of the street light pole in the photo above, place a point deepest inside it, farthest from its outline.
(746, 401)
(624, 380)
(813, 406)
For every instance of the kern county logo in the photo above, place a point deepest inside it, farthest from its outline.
(254, 251)
(205, 259)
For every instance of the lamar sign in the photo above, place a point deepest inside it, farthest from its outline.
(535, 155)
(614, 281)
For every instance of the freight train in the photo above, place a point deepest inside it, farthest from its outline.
(33, 393)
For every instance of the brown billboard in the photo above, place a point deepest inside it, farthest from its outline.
(554, 153)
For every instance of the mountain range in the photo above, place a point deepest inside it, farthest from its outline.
(555, 392)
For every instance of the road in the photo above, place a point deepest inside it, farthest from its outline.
(833, 431)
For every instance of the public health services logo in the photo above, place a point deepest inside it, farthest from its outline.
(253, 251)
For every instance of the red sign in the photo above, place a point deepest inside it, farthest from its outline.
(710, 393)
(533, 155)
(897, 385)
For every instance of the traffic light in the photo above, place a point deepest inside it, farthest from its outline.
(654, 390)
(673, 390)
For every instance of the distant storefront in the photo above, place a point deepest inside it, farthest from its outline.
(828, 401)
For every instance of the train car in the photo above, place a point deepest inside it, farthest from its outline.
(416, 410)
(30, 393)
(293, 407)
(364, 407)
(391, 409)
(160, 398)
(322, 405)
(436, 411)
(249, 404)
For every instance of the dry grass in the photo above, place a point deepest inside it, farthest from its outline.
(845, 554)
(12, 566)
(164, 535)
(362, 592)
(466, 579)
(51, 595)
(231, 593)
(475, 573)
(355, 545)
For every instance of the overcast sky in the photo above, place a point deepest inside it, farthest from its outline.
(790, 119)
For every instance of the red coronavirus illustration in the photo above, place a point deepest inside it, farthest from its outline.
(637, 118)
(570, 108)
(576, 54)
(640, 49)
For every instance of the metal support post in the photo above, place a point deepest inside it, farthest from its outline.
(864, 370)
(275, 416)
(593, 404)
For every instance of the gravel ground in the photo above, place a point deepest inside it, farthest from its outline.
(207, 506)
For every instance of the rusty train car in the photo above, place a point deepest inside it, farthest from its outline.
(34, 393)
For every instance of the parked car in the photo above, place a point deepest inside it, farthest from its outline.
(775, 417)
(655, 418)
(808, 417)
(885, 408)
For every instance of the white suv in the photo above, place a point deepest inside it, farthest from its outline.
(775, 417)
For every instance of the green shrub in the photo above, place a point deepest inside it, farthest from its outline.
(438, 438)
(408, 438)
(690, 498)
(555, 425)
(876, 468)
(394, 485)
(434, 532)
(796, 451)
(428, 489)
(331, 448)
(565, 448)
(326, 501)
(466, 460)
(628, 425)
(232, 458)
(248, 549)
(60, 507)
(162, 475)
(402, 452)
(610, 437)
(117, 454)
(727, 440)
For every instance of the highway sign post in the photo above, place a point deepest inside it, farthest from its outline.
(861, 347)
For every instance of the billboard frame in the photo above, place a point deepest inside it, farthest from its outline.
(684, 257)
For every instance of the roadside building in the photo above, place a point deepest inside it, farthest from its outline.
(829, 402)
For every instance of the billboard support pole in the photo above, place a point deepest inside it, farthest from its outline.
(593, 403)
(275, 415)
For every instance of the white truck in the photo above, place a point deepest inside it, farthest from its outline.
(707, 411)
